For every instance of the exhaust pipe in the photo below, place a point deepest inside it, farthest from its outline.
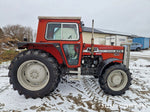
(92, 40)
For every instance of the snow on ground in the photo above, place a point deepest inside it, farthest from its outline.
(144, 54)
(84, 95)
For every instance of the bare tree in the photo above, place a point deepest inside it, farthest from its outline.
(28, 33)
(18, 31)
(1, 33)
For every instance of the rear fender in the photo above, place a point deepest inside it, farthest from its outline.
(106, 63)
(54, 49)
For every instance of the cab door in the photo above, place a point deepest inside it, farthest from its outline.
(72, 44)
(70, 40)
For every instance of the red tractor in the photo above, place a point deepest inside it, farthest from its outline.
(59, 50)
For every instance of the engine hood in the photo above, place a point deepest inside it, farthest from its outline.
(103, 47)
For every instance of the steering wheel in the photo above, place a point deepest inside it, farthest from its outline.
(70, 37)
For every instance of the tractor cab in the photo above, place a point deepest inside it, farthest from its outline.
(65, 31)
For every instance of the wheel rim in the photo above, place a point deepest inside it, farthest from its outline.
(117, 80)
(33, 75)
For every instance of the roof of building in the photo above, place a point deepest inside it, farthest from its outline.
(54, 17)
(115, 32)
(102, 31)
(88, 29)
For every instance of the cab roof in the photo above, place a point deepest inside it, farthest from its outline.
(61, 17)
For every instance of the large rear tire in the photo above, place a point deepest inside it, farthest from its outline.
(34, 73)
(115, 80)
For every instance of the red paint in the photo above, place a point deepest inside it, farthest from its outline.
(50, 49)
(104, 47)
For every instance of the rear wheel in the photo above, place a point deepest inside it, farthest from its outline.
(34, 73)
(115, 80)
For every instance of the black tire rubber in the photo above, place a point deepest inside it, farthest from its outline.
(47, 60)
(95, 76)
(138, 49)
(103, 80)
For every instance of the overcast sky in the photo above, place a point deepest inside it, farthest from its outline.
(131, 16)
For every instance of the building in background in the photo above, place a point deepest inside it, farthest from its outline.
(105, 37)
(142, 40)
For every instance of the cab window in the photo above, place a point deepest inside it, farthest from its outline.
(62, 31)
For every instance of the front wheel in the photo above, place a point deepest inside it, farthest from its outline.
(115, 80)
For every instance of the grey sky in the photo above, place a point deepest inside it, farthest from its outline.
(131, 16)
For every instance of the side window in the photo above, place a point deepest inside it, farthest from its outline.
(72, 53)
(69, 32)
(62, 31)
(53, 32)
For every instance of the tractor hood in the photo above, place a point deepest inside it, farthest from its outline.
(106, 51)
(102, 47)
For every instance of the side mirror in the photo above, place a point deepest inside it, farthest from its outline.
(82, 23)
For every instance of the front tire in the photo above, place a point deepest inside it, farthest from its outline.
(115, 80)
(34, 73)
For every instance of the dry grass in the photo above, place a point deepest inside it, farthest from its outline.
(7, 55)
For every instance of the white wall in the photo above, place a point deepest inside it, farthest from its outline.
(98, 38)
(117, 40)
(104, 39)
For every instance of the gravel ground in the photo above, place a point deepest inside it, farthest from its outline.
(84, 95)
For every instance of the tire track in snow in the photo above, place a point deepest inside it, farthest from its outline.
(3, 88)
(94, 92)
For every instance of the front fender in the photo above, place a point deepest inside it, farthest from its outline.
(103, 65)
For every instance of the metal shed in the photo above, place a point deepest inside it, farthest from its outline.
(142, 40)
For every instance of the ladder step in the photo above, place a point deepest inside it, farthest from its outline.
(74, 72)
(77, 72)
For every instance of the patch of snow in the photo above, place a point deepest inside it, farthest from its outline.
(4, 68)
